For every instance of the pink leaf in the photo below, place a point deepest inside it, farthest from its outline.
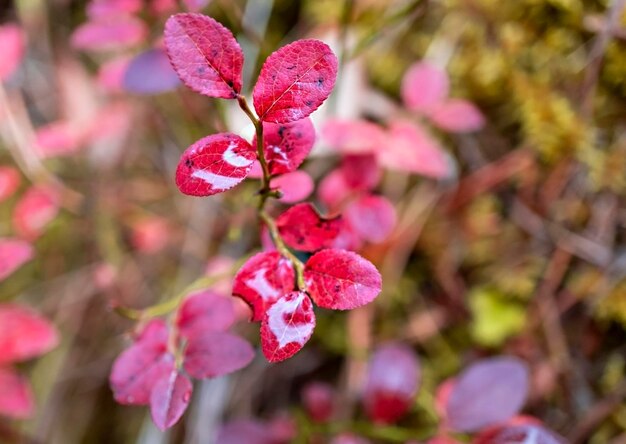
(9, 182)
(212, 354)
(295, 81)
(442, 396)
(169, 399)
(341, 280)
(410, 148)
(136, 371)
(59, 138)
(16, 399)
(288, 324)
(347, 239)
(348, 438)
(302, 228)
(24, 334)
(361, 171)
(106, 9)
(393, 378)
(372, 218)
(150, 234)
(333, 190)
(12, 45)
(287, 145)
(353, 136)
(242, 431)
(34, 211)
(203, 311)
(457, 116)
(111, 74)
(214, 164)
(13, 254)
(294, 186)
(318, 400)
(490, 391)
(263, 279)
(154, 332)
(205, 55)
(150, 72)
(520, 434)
(109, 35)
(195, 5)
(424, 86)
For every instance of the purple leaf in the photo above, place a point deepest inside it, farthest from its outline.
(150, 73)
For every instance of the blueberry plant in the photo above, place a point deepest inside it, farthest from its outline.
(279, 287)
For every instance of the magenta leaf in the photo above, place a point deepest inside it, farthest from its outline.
(318, 399)
(263, 279)
(333, 190)
(302, 228)
(109, 35)
(9, 182)
(24, 334)
(520, 434)
(243, 431)
(294, 81)
(12, 44)
(16, 399)
(205, 55)
(286, 145)
(214, 164)
(341, 280)
(153, 332)
(169, 399)
(136, 371)
(353, 136)
(371, 217)
(361, 171)
(212, 354)
(457, 116)
(108, 9)
(487, 392)
(294, 186)
(37, 207)
(393, 378)
(150, 72)
(412, 149)
(13, 254)
(205, 311)
(424, 86)
(288, 324)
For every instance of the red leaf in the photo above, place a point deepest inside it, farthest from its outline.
(205, 55)
(424, 86)
(294, 186)
(263, 279)
(361, 171)
(488, 392)
(457, 116)
(24, 334)
(16, 399)
(205, 311)
(136, 371)
(287, 326)
(353, 136)
(12, 44)
(13, 254)
(341, 280)
(36, 209)
(169, 399)
(522, 434)
(287, 145)
(372, 218)
(295, 81)
(412, 149)
(150, 72)
(318, 400)
(393, 378)
(109, 35)
(214, 164)
(212, 354)
(9, 182)
(302, 228)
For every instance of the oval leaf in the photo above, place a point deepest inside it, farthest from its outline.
(333, 190)
(295, 81)
(16, 399)
(372, 218)
(214, 164)
(204, 311)
(302, 228)
(12, 44)
(424, 86)
(263, 279)
(341, 280)
(487, 392)
(361, 171)
(107, 9)
(288, 324)
(215, 354)
(457, 116)
(9, 182)
(294, 186)
(34, 211)
(59, 138)
(109, 35)
(205, 55)
(169, 399)
(150, 73)
(286, 145)
(353, 136)
(24, 334)
(13, 254)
